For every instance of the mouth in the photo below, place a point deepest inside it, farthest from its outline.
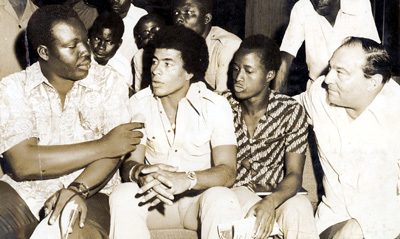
(238, 88)
(84, 65)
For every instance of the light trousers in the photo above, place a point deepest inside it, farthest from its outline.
(192, 210)
(294, 217)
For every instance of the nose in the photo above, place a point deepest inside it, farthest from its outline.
(329, 78)
(84, 49)
(102, 44)
(239, 76)
(155, 68)
(179, 18)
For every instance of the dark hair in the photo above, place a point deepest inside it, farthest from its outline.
(110, 20)
(264, 47)
(145, 18)
(43, 19)
(192, 47)
(377, 60)
(206, 5)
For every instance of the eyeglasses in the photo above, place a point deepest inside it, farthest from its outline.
(145, 34)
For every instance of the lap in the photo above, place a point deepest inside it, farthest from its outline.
(96, 226)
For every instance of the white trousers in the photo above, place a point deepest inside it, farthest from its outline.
(294, 217)
(131, 219)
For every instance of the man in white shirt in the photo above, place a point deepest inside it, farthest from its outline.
(322, 25)
(354, 110)
(130, 15)
(187, 158)
(197, 15)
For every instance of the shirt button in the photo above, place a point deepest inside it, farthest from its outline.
(176, 150)
(19, 26)
(169, 131)
(160, 112)
(153, 137)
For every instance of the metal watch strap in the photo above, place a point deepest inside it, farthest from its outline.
(82, 189)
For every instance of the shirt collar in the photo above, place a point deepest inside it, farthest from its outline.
(197, 91)
(36, 77)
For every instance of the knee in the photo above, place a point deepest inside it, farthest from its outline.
(124, 193)
(221, 197)
(298, 205)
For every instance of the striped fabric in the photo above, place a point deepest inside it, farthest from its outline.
(260, 160)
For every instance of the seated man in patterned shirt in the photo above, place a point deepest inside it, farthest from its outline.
(271, 131)
(187, 157)
(56, 131)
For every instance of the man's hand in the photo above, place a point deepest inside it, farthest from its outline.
(122, 139)
(264, 211)
(153, 184)
(350, 230)
(56, 203)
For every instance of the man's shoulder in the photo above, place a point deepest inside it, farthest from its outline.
(226, 38)
(136, 12)
(208, 95)
(304, 7)
(143, 96)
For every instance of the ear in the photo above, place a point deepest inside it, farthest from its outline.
(43, 52)
(120, 43)
(374, 82)
(270, 76)
(189, 76)
(207, 18)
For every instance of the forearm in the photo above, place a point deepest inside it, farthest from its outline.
(43, 162)
(286, 189)
(281, 79)
(97, 174)
(221, 175)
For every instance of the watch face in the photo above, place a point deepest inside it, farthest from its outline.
(191, 175)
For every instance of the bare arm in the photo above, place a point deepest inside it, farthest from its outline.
(30, 161)
(291, 184)
(281, 78)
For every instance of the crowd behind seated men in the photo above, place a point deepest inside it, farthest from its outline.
(64, 126)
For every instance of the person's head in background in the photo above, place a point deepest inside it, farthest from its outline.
(180, 58)
(254, 66)
(105, 36)
(193, 14)
(326, 7)
(145, 29)
(60, 39)
(121, 7)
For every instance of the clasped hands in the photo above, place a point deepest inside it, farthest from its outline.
(160, 182)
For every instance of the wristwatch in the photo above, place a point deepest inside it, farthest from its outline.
(82, 189)
(192, 178)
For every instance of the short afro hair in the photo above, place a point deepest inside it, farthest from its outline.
(42, 21)
(265, 48)
(192, 47)
(110, 20)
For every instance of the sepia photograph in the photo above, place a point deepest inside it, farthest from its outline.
(200, 119)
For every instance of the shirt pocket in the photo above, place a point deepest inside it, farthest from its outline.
(197, 144)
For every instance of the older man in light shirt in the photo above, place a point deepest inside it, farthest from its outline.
(354, 110)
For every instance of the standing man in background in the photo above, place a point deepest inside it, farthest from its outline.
(14, 16)
(197, 15)
(130, 15)
(322, 25)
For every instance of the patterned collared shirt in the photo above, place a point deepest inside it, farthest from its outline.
(31, 107)
(261, 159)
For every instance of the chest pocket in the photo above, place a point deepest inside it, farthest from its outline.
(198, 143)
